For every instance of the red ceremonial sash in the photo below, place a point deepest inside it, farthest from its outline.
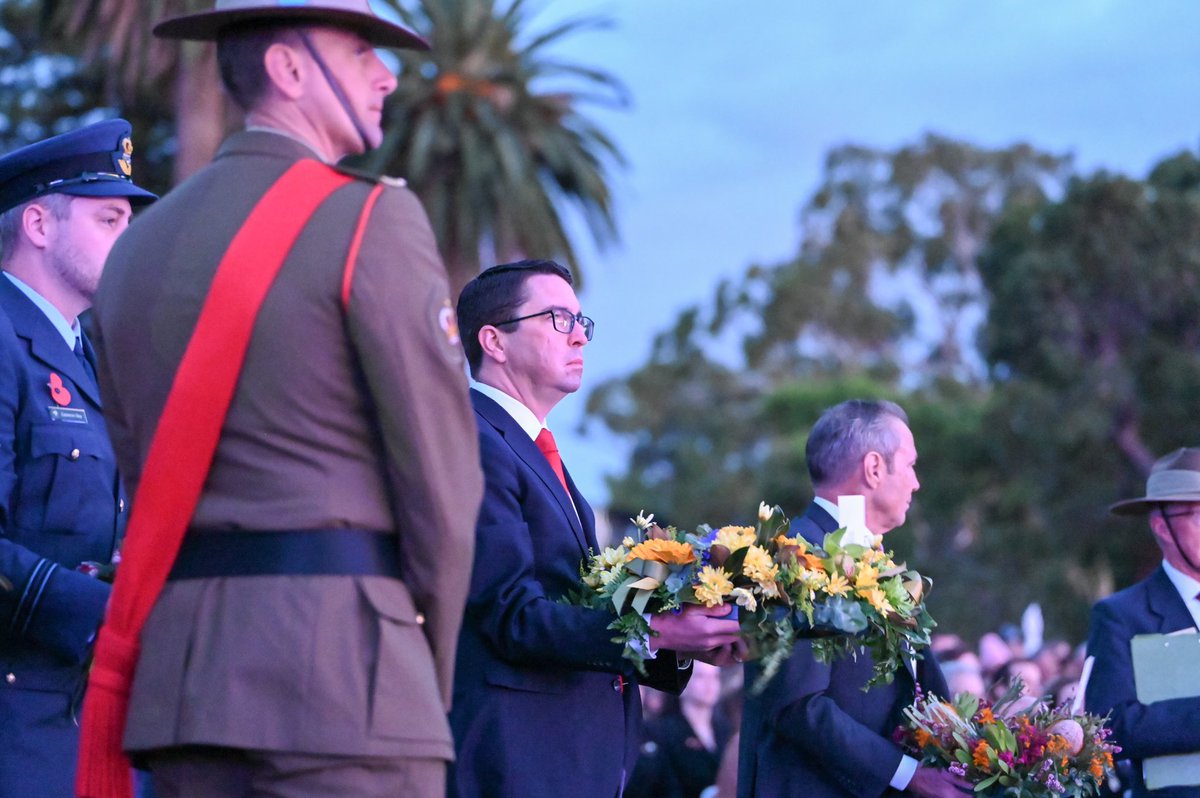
(181, 454)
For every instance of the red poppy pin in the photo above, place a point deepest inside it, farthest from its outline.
(58, 391)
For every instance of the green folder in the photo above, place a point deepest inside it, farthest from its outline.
(1165, 667)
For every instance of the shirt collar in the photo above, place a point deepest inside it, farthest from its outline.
(828, 507)
(1187, 587)
(520, 413)
(64, 327)
(285, 134)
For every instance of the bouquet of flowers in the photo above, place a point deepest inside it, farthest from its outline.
(846, 597)
(1036, 752)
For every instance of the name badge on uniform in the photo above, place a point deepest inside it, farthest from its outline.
(71, 415)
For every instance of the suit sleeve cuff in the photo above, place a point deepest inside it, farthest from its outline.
(642, 644)
(904, 773)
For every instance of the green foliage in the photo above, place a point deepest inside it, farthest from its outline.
(489, 131)
(45, 89)
(1038, 326)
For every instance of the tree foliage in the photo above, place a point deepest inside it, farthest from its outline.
(489, 130)
(1038, 326)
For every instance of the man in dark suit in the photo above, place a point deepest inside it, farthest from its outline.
(1166, 601)
(813, 732)
(315, 657)
(543, 700)
(63, 202)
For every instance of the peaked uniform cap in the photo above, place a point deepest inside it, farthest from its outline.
(93, 161)
(1174, 478)
(355, 15)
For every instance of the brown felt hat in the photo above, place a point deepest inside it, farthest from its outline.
(353, 14)
(1174, 478)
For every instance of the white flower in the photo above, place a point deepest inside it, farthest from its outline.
(608, 577)
(610, 558)
(745, 598)
(643, 522)
(765, 511)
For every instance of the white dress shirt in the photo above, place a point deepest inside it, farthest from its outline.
(908, 765)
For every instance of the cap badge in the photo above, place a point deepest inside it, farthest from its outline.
(124, 159)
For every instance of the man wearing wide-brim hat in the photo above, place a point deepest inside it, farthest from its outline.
(63, 203)
(303, 641)
(1166, 601)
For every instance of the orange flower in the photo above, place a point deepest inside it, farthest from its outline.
(980, 755)
(671, 552)
(812, 562)
(986, 716)
(1057, 744)
(1097, 769)
(922, 737)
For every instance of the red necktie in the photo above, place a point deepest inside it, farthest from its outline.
(545, 442)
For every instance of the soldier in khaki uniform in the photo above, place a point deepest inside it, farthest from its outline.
(349, 439)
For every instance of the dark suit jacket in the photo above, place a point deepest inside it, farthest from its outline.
(813, 732)
(342, 418)
(538, 710)
(60, 505)
(1152, 606)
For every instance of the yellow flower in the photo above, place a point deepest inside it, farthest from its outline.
(876, 598)
(759, 566)
(745, 598)
(734, 537)
(798, 542)
(837, 585)
(671, 552)
(628, 542)
(867, 577)
(713, 586)
(874, 557)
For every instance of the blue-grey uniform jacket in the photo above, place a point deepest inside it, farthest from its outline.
(61, 504)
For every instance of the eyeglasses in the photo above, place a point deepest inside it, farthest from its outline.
(564, 321)
(1193, 514)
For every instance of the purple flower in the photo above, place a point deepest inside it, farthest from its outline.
(958, 769)
(1006, 757)
(1054, 784)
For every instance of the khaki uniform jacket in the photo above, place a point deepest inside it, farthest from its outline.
(340, 419)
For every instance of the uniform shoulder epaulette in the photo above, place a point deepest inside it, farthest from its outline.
(371, 177)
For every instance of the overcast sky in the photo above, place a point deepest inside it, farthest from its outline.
(736, 103)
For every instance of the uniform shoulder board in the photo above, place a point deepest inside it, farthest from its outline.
(371, 177)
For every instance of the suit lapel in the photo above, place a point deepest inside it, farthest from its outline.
(528, 452)
(1165, 603)
(45, 343)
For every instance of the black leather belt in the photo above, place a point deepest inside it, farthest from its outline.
(295, 552)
